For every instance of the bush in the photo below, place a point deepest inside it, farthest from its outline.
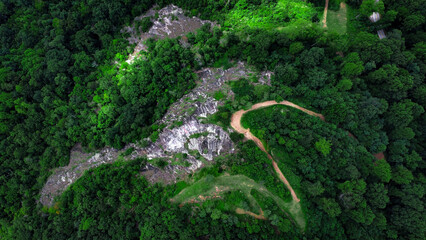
(128, 151)
(145, 24)
(218, 95)
(162, 163)
(236, 137)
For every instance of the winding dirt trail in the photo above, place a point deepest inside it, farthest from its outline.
(236, 124)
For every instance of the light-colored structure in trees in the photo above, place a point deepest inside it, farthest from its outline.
(375, 17)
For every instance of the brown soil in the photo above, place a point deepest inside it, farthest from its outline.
(379, 155)
(201, 198)
(258, 216)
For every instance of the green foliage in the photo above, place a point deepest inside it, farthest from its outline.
(382, 170)
(222, 117)
(201, 134)
(295, 48)
(242, 89)
(145, 24)
(369, 6)
(402, 175)
(218, 95)
(286, 74)
(86, 224)
(161, 163)
(49, 54)
(314, 189)
(270, 14)
(59, 88)
(154, 136)
(236, 137)
(142, 92)
(353, 66)
(297, 131)
(223, 62)
(345, 84)
(323, 146)
(128, 151)
(331, 207)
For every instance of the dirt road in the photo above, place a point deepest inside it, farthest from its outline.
(236, 124)
(324, 18)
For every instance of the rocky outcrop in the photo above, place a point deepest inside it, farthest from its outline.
(190, 111)
(80, 161)
(171, 22)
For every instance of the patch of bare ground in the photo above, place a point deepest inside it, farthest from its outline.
(258, 216)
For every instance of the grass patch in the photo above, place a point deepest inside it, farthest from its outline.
(218, 186)
(128, 152)
(197, 135)
(268, 16)
(159, 162)
(176, 124)
(337, 20)
(180, 160)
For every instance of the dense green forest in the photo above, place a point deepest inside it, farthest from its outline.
(64, 80)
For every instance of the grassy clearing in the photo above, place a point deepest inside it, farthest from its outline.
(210, 186)
(270, 15)
(197, 135)
(337, 20)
